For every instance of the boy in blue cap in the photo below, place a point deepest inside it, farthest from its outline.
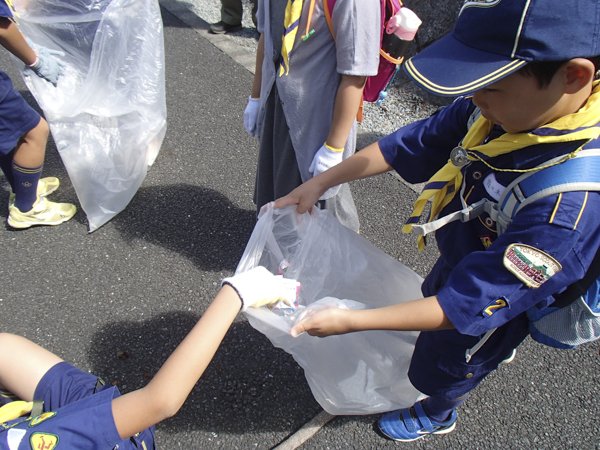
(62, 404)
(531, 69)
(24, 134)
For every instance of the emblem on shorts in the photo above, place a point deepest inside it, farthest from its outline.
(43, 441)
(530, 265)
(41, 418)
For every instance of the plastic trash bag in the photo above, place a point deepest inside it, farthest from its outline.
(107, 113)
(356, 373)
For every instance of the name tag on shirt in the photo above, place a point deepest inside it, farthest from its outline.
(492, 186)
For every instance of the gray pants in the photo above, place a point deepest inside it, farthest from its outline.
(277, 173)
(232, 10)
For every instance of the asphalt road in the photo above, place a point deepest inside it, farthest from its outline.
(141, 281)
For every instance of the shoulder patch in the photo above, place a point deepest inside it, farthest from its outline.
(43, 441)
(530, 265)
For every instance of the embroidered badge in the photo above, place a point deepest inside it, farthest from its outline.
(41, 418)
(530, 265)
(486, 240)
(494, 306)
(43, 441)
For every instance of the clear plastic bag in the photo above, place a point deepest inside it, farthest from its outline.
(107, 113)
(356, 373)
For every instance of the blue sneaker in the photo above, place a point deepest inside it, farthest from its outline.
(412, 423)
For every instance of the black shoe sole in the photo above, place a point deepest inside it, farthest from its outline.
(225, 31)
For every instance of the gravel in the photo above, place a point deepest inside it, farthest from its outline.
(404, 104)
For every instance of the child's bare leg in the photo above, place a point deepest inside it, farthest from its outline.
(28, 160)
(23, 365)
(31, 149)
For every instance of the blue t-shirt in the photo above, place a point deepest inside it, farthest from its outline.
(470, 274)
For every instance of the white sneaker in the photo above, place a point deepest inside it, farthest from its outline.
(44, 212)
(46, 186)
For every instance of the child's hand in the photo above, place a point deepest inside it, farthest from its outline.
(46, 65)
(259, 287)
(305, 196)
(251, 115)
(324, 322)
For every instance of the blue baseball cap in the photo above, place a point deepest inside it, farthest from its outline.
(493, 38)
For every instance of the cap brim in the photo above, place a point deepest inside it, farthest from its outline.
(450, 68)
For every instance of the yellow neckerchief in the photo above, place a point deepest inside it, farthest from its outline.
(584, 124)
(293, 10)
(14, 410)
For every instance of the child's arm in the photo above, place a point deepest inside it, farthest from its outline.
(260, 54)
(13, 41)
(364, 164)
(41, 61)
(166, 392)
(347, 102)
(251, 111)
(418, 315)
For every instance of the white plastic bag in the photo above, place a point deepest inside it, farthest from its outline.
(356, 373)
(107, 113)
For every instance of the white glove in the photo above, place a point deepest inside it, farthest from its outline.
(251, 115)
(46, 65)
(324, 159)
(259, 287)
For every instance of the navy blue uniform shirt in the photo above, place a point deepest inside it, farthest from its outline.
(470, 275)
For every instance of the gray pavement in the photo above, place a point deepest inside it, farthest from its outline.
(142, 280)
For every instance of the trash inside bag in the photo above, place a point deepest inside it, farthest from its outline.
(107, 113)
(356, 373)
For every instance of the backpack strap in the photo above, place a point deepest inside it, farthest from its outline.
(311, 8)
(37, 408)
(581, 172)
(328, 6)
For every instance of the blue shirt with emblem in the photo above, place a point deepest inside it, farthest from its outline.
(470, 275)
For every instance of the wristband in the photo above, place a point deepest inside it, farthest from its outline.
(337, 150)
(37, 58)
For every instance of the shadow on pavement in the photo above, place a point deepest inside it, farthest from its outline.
(249, 385)
(198, 223)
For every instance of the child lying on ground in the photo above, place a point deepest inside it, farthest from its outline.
(79, 410)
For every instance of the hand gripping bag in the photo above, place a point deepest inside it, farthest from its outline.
(356, 373)
(107, 113)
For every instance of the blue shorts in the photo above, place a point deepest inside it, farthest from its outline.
(16, 116)
(5, 11)
(439, 368)
(77, 412)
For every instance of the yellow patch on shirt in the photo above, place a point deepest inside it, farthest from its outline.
(530, 265)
